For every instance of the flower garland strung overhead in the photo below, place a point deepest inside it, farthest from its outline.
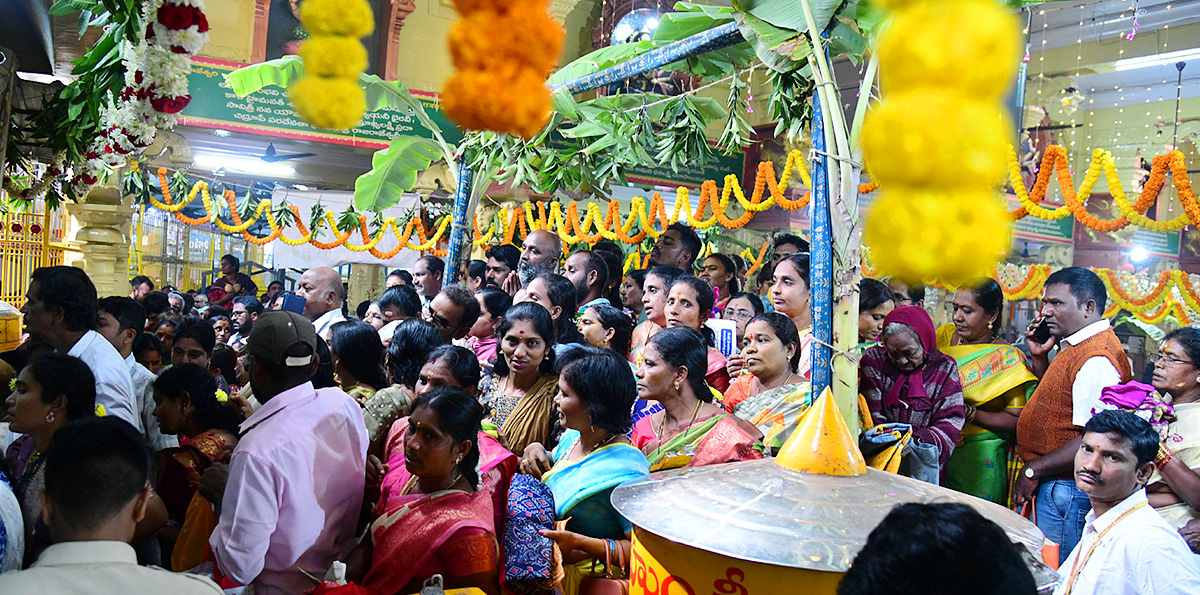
(36, 188)
(936, 143)
(329, 95)
(156, 87)
(503, 51)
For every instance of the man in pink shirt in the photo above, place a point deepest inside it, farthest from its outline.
(296, 478)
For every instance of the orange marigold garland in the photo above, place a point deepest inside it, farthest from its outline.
(502, 50)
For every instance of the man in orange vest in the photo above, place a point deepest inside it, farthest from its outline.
(1090, 358)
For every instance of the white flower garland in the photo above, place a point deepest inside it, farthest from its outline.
(156, 87)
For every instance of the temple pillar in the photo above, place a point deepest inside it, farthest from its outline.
(99, 225)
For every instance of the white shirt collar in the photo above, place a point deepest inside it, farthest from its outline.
(1089, 331)
(1109, 518)
(87, 552)
(84, 343)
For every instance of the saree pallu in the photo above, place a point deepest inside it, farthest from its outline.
(581, 490)
(720, 438)
(774, 412)
(448, 533)
(496, 469)
(531, 419)
(994, 377)
(1185, 444)
(199, 518)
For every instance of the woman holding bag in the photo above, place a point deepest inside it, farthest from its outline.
(596, 394)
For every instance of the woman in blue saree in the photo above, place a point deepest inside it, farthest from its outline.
(593, 457)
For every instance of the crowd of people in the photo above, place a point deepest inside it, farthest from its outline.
(286, 443)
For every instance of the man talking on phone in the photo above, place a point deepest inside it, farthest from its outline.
(1051, 425)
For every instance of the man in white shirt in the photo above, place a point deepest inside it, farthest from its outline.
(324, 294)
(1090, 358)
(121, 321)
(96, 491)
(427, 277)
(1126, 548)
(61, 309)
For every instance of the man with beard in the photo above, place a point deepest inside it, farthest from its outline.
(588, 272)
(541, 254)
(678, 247)
(501, 262)
(1127, 548)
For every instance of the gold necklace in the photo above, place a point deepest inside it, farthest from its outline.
(412, 482)
(761, 387)
(663, 430)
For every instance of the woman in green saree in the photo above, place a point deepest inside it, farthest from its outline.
(593, 457)
(996, 383)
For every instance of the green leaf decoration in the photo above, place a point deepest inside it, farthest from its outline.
(599, 60)
(379, 93)
(674, 26)
(782, 50)
(280, 72)
(63, 7)
(845, 40)
(393, 171)
(789, 14)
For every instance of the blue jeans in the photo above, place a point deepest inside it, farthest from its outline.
(1061, 513)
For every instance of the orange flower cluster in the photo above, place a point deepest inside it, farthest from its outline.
(503, 51)
(1055, 162)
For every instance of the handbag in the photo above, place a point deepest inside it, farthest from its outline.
(892, 447)
(610, 583)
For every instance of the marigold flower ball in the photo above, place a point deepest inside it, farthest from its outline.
(351, 18)
(525, 36)
(468, 7)
(515, 102)
(330, 103)
(969, 45)
(948, 237)
(333, 55)
(936, 138)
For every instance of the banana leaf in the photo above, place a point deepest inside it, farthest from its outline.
(394, 171)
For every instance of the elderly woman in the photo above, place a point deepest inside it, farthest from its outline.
(596, 392)
(907, 380)
(690, 431)
(769, 393)
(995, 383)
(1174, 489)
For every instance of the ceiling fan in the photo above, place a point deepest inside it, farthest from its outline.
(270, 156)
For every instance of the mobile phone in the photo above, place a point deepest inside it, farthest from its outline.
(292, 303)
(1041, 333)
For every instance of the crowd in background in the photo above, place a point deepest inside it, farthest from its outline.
(252, 439)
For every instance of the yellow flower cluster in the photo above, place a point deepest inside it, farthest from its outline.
(503, 51)
(937, 144)
(329, 96)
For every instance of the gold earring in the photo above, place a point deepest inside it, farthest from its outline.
(458, 460)
(676, 385)
(989, 326)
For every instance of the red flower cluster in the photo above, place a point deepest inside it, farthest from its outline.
(178, 18)
(170, 105)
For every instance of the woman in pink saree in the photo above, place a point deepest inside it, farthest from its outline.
(434, 515)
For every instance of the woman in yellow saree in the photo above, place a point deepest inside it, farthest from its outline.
(996, 383)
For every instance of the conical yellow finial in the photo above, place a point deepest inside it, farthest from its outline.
(822, 443)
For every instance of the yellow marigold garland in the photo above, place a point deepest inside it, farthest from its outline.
(329, 96)
(940, 217)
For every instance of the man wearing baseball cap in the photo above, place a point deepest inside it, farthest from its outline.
(296, 477)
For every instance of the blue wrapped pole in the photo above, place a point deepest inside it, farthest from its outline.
(700, 43)
(459, 251)
(821, 259)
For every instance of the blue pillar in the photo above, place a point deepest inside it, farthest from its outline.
(459, 250)
(700, 43)
(821, 258)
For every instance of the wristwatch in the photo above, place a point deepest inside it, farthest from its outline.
(1029, 472)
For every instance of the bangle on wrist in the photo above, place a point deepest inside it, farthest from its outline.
(1164, 456)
